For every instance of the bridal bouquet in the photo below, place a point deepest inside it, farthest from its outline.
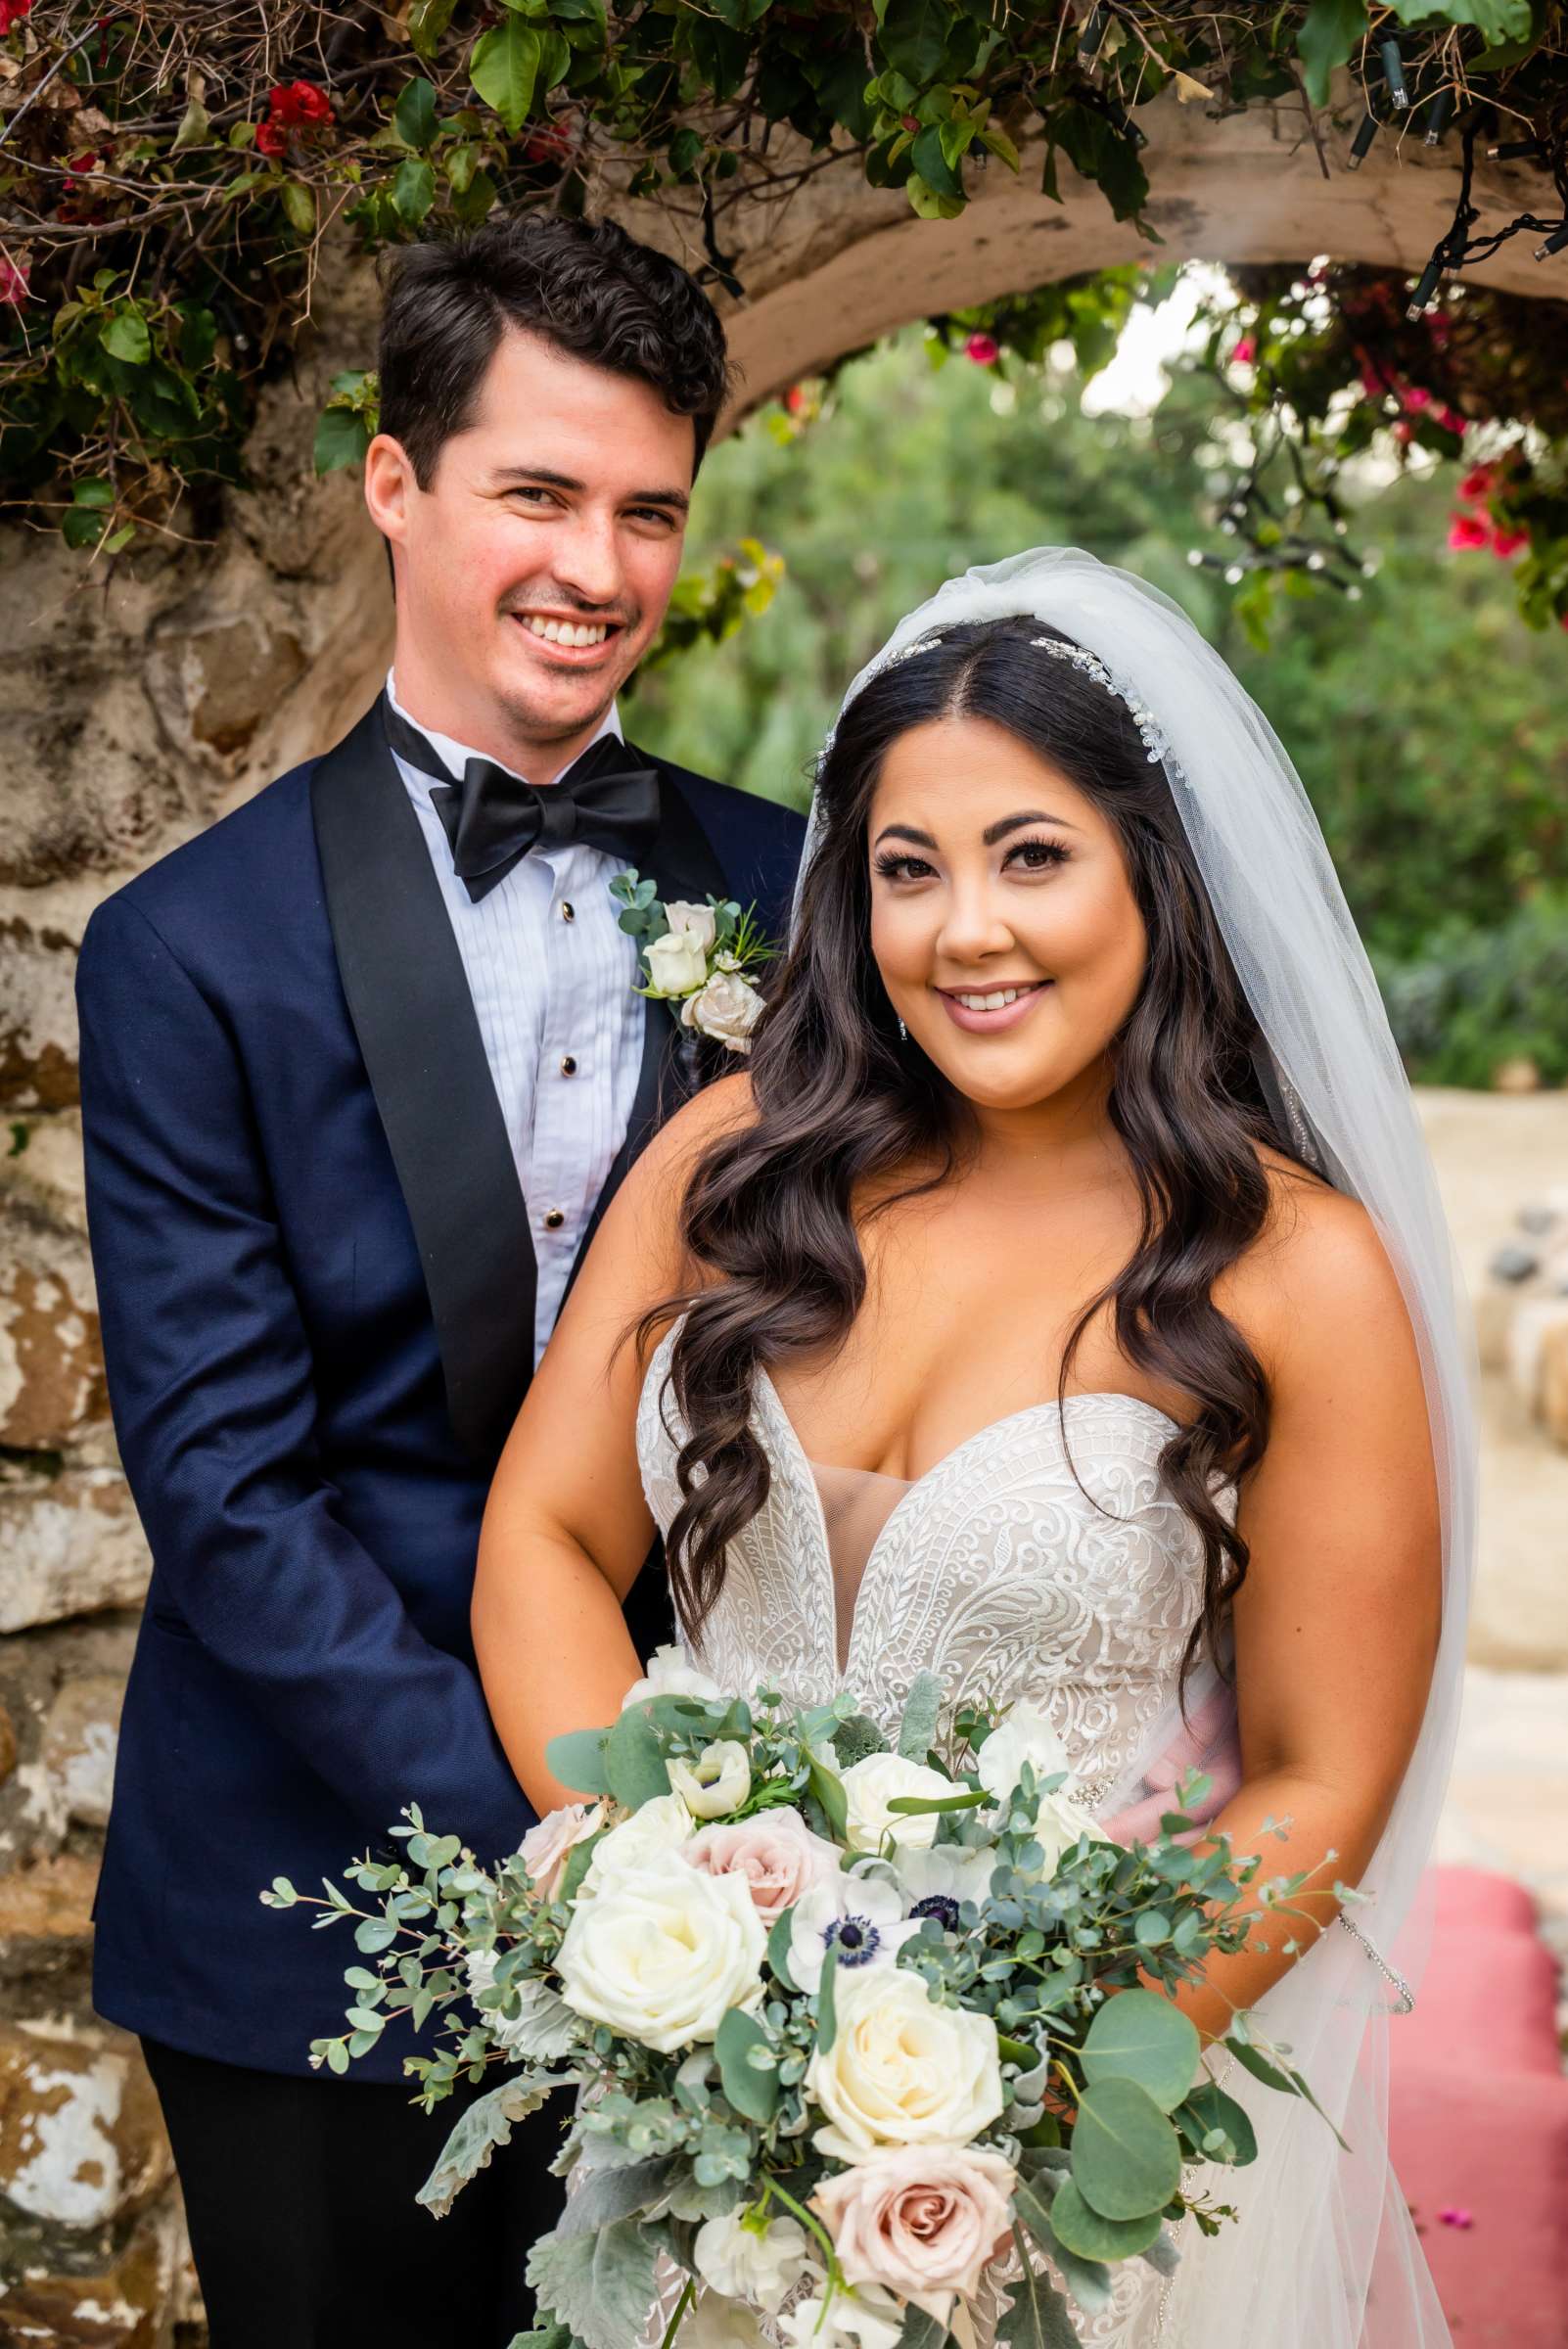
(857, 2035)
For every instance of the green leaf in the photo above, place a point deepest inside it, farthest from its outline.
(376, 1933)
(300, 206)
(1497, 20)
(1291, 2083)
(602, 2285)
(1329, 35)
(1080, 2229)
(428, 19)
(126, 338)
(608, 2195)
(504, 67)
(283, 1890)
(415, 115)
(920, 1806)
(1126, 2156)
(635, 1762)
(752, 2089)
(917, 1730)
(827, 2008)
(342, 439)
(778, 1948)
(1209, 2107)
(576, 1759)
(922, 2331)
(337, 2056)
(1039, 2318)
(1143, 2037)
(196, 126)
(914, 38)
(929, 158)
(487, 2124)
(413, 190)
(929, 202)
(828, 1788)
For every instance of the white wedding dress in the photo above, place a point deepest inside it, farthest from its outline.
(1041, 1558)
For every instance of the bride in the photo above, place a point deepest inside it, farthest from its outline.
(1060, 1303)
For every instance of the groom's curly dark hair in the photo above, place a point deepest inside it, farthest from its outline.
(843, 1107)
(585, 287)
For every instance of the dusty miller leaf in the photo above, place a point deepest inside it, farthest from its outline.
(485, 2126)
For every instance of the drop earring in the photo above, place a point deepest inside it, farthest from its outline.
(904, 1033)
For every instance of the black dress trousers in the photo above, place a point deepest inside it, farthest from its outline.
(299, 2194)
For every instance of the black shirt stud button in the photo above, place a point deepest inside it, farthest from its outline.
(569, 912)
(569, 1066)
(553, 1219)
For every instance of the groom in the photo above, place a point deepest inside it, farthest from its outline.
(361, 1068)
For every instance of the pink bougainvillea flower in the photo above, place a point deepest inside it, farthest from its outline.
(1467, 532)
(983, 349)
(1246, 350)
(1404, 433)
(12, 13)
(12, 282)
(1416, 397)
(1453, 422)
(1453, 2217)
(1505, 544)
(1477, 483)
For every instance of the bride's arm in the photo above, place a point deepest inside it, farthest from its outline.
(567, 1525)
(1336, 1623)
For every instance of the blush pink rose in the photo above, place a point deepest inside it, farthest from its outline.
(920, 2220)
(776, 1852)
(546, 1847)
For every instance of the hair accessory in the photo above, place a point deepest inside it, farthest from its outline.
(924, 644)
(1148, 727)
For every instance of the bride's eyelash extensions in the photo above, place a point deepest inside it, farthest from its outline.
(893, 865)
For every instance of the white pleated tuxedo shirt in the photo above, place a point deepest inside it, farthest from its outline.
(553, 979)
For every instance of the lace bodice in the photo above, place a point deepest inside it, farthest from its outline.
(1041, 1558)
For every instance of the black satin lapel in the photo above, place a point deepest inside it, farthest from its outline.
(685, 866)
(412, 1012)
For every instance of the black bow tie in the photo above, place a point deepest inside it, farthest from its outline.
(492, 818)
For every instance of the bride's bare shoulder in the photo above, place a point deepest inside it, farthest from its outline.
(1316, 1274)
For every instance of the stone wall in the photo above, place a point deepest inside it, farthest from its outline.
(138, 704)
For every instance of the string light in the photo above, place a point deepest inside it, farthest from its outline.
(1439, 114)
(1362, 144)
(1399, 96)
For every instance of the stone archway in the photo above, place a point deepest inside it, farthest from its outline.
(133, 715)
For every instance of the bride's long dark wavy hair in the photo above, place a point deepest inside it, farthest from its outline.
(841, 1105)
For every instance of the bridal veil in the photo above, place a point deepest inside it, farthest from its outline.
(1323, 2254)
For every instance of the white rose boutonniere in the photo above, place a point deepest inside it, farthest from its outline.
(696, 958)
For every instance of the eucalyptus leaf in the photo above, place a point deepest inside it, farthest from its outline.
(1080, 2231)
(1127, 2158)
(752, 2091)
(1210, 2108)
(1143, 2037)
(576, 1759)
(635, 1762)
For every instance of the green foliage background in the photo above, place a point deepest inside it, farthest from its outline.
(1429, 724)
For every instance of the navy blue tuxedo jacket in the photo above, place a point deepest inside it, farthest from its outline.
(316, 1287)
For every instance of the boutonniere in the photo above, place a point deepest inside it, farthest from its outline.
(696, 956)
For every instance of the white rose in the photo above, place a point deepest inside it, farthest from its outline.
(1058, 1824)
(872, 1783)
(850, 2320)
(662, 1955)
(861, 1917)
(676, 963)
(902, 2070)
(1026, 1735)
(670, 1672)
(727, 1007)
(717, 1783)
(696, 922)
(746, 2262)
(640, 1841)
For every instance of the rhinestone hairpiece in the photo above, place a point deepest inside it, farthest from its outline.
(1147, 725)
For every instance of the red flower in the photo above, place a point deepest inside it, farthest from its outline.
(271, 139)
(1505, 544)
(12, 13)
(1451, 422)
(12, 282)
(1478, 481)
(1404, 433)
(794, 399)
(1415, 399)
(983, 349)
(1246, 350)
(79, 165)
(291, 106)
(1467, 532)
